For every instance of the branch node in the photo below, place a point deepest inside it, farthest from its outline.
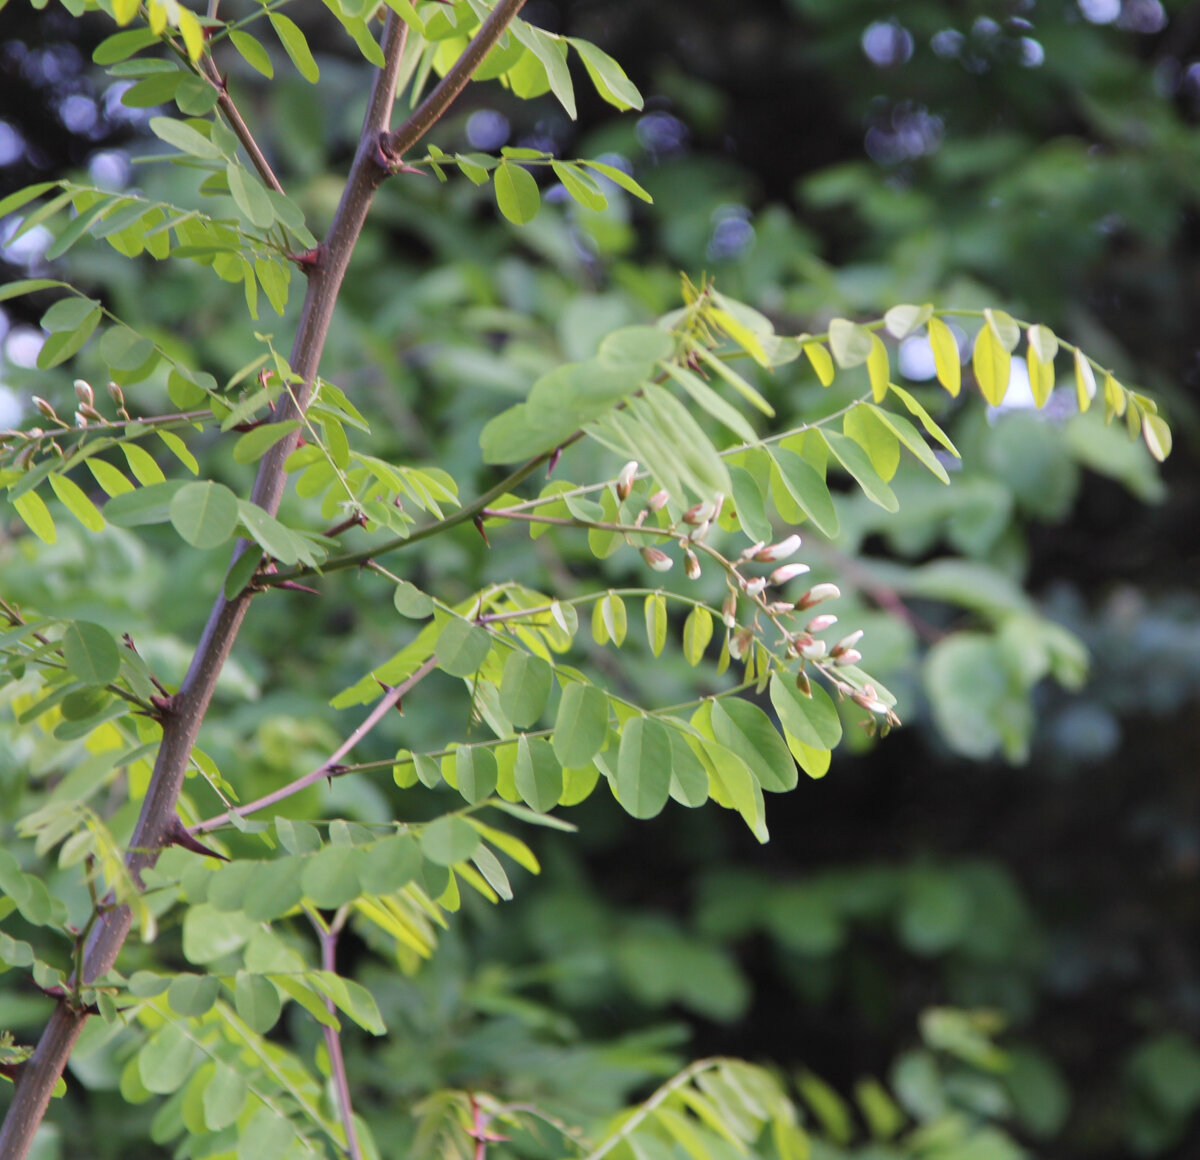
(164, 706)
(308, 260)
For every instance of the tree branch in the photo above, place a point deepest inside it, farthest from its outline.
(326, 768)
(395, 145)
(43, 1069)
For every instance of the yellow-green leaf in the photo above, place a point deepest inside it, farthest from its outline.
(945, 355)
(992, 364)
(1043, 346)
(879, 370)
(1157, 436)
(697, 632)
(656, 621)
(1085, 381)
(33, 510)
(77, 503)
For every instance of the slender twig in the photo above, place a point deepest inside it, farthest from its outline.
(328, 936)
(395, 145)
(241, 130)
(327, 768)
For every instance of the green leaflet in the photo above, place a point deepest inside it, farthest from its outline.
(205, 514)
(812, 720)
(525, 688)
(517, 195)
(581, 727)
(537, 775)
(644, 767)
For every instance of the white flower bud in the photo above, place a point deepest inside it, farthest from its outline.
(658, 501)
(787, 572)
(847, 656)
(698, 513)
(780, 551)
(818, 593)
(80, 419)
(779, 607)
(754, 587)
(740, 642)
(44, 407)
(729, 610)
(625, 479)
(814, 651)
(84, 392)
(691, 565)
(701, 531)
(848, 641)
(751, 551)
(822, 622)
(116, 394)
(657, 560)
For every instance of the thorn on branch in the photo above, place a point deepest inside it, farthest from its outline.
(480, 529)
(555, 456)
(296, 587)
(388, 689)
(179, 835)
(309, 260)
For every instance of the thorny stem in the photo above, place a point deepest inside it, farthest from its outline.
(327, 768)
(40, 1073)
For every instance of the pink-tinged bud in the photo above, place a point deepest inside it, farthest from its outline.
(626, 478)
(869, 700)
(116, 394)
(847, 656)
(740, 642)
(847, 642)
(718, 504)
(751, 551)
(691, 565)
(814, 651)
(701, 531)
(35, 432)
(798, 642)
(779, 607)
(754, 587)
(90, 412)
(822, 622)
(80, 419)
(787, 572)
(698, 513)
(84, 392)
(658, 501)
(803, 683)
(780, 551)
(657, 560)
(44, 407)
(818, 593)
(729, 610)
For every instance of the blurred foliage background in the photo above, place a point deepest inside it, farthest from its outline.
(819, 157)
